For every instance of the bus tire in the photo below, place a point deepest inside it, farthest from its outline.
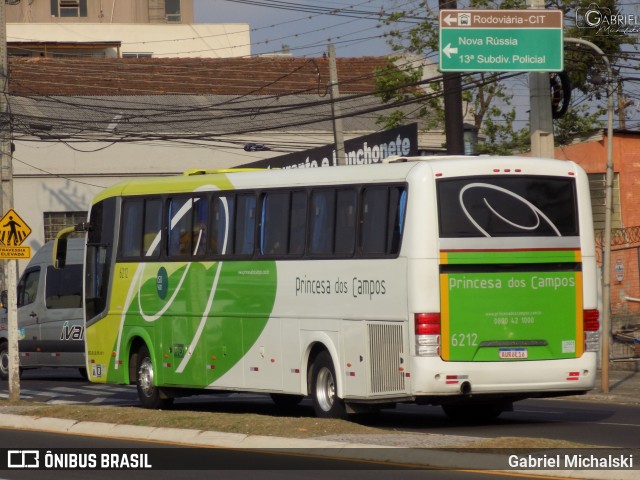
(4, 360)
(149, 394)
(324, 388)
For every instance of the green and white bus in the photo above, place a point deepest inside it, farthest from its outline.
(466, 282)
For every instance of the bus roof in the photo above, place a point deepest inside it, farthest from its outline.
(398, 170)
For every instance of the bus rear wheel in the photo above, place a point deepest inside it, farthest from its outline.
(324, 388)
(149, 394)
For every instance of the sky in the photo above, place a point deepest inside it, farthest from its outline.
(306, 32)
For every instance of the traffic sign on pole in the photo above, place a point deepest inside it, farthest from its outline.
(13, 231)
(501, 41)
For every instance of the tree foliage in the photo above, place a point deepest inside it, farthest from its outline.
(488, 100)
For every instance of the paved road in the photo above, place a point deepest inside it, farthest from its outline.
(606, 424)
(176, 463)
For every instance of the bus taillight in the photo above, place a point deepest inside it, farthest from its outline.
(427, 330)
(591, 327)
(591, 320)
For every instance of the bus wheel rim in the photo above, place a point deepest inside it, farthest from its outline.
(146, 377)
(325, 389)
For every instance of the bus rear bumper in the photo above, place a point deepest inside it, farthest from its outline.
(434, 377)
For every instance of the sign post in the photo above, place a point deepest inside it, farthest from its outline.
(13, 231)
(501, 41)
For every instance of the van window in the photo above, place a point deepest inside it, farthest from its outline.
(28, 287)
(64, 287)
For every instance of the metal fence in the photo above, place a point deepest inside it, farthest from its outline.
(625, 295)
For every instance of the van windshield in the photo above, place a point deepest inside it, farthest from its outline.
(64, 287)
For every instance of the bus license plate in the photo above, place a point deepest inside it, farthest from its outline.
(508, 353)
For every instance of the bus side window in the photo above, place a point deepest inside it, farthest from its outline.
(274, 229)
(152, 228)
(245, 224)
(322, 224)
(397, 208)
(346, 215)
(200, 226)
(298, 227)
(179, 238)
(373, 235)
(223, 214)
(131, 239)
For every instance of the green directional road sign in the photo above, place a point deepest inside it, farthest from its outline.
(501, 41)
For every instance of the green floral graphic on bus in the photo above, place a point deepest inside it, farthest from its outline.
(205, 316)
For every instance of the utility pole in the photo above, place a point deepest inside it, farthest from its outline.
(622, 104)
(6, 177)
(452, 86)
(540, 119)
(338, 136)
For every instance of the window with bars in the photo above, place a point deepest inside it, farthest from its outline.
(598, 190)
(137, 55)
(56, 221)
(172, 11)
(68, 8)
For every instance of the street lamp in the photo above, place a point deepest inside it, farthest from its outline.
(606, 254)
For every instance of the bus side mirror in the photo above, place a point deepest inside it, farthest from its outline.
(60, 252)
(3, 299)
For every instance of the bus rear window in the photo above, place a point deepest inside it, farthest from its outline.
(514, 206)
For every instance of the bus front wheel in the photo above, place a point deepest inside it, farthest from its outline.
(149, 394)
(326, 402)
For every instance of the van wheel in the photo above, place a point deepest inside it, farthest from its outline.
(150, 396)
(324, 388)
(4, 360)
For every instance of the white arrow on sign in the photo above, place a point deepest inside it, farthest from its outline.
(448, 50)
(449, 19)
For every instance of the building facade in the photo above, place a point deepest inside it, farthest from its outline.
(102, 11)
(82, 124)
(625, 245)
(119, 28)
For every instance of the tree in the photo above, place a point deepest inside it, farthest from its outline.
(488, 96)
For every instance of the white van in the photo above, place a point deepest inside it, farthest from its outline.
(50, 313)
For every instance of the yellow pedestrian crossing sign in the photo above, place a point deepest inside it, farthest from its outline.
(13, 231)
